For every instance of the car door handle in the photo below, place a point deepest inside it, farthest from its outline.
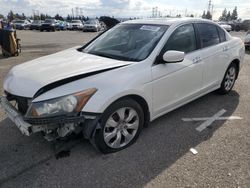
(225, 48)
(197, 60)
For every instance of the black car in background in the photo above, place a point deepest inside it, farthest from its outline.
(238, 26)
(36, 24)
(49, 25)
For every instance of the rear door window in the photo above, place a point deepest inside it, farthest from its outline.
(222, 34)
(208, 34)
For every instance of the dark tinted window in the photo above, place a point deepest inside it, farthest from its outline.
(222, 35)
(208, 34)
(183, 39)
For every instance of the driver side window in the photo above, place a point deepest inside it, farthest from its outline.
(182, 39)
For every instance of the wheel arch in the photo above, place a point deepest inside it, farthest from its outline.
(237, 63)
(142, 102)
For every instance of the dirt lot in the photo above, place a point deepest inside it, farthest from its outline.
(160, 157)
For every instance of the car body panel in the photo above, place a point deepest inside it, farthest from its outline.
(38, 73)
(164, 87)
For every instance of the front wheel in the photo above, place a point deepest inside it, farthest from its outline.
(229, 79)
(121, 125)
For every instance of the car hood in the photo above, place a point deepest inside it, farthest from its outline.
(26, 79)
(75, 24)
(89, 24)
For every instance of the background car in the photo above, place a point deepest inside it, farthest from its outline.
(92, 25)
(36, 24)
(21, 24)
(244, 25)
(226, 26)
(63, 25)
(50, 25)
(75, 25)
(247, 40)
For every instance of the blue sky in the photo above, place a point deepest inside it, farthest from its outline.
(123, 8)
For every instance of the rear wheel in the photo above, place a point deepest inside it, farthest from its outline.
(121, 125)
(229, 79)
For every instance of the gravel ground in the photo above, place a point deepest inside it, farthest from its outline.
(160, 157)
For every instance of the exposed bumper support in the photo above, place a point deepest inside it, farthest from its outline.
(16, 117)
(86, 122)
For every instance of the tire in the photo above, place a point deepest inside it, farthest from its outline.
(229, 79)
(41, 30)
(237, 28)
(120, 132)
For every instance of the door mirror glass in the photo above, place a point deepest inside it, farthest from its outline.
(173, 56)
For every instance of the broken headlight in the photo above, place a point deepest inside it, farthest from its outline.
(70, 104)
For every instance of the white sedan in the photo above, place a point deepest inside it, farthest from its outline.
(113, 86)
(226, 26)
(247, 40)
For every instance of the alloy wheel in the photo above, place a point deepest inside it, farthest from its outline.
(121, 127)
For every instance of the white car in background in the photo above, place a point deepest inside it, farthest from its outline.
(113, 86)
(75, 25)
(247, 40)
(92, 25)
(226, 26)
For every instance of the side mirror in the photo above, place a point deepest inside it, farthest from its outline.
(173, 56)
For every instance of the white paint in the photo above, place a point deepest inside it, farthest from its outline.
(194, 151)
(164, 86)
(210, 120)
(206, 118)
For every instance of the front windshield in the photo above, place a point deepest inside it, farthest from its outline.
(36, 21)
(91, 22)
(19, 21)
(76, 21)
(48, 21)
(128, 42)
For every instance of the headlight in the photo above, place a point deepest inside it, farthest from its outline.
(70, 104)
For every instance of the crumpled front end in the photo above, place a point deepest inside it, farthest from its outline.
(54, 127)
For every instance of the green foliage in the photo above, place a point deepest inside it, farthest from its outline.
(227, 16)
(207, 15)
(11, 16)
(234, 15)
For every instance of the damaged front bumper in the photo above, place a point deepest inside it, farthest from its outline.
(56, 126)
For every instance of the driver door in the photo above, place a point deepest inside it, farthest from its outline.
(176, 83)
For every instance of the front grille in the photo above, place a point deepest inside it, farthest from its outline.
(22, 102)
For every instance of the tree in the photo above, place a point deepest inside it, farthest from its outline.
(223, 17)
(204, 14)
(228, 17)
(234, 15)
(209, 15)
(1, 16)
(58, 17)
(11, 16)
(69, 18)
(42, 16)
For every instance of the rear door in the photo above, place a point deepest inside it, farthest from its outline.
(214, 50)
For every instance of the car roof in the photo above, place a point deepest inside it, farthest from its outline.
(167, 21)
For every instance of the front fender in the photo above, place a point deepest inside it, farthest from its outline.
(102, 99)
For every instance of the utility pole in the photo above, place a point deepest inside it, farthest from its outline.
(154, 12)
(72, 12)
(209, 5)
